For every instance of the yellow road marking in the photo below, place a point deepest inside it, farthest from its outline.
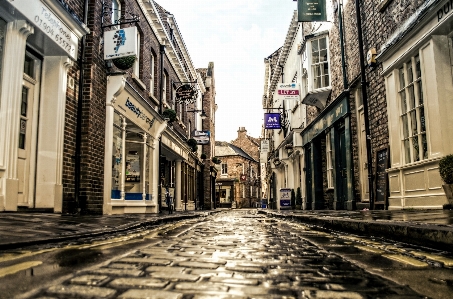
(406, 260)
(448, 262)
(18, 267)
(370, 249)
(9, 256)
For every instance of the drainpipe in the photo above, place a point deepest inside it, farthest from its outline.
(161, 98)
(78, 145)
(365, 105)
(343, 64)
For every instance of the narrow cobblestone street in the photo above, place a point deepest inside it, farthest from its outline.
(235, 254)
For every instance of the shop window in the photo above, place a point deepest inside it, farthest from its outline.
(117, 156)
(224, 170)
(164, 91)
(320, 63)
(329, 161)
(116, 11)
(414, 139)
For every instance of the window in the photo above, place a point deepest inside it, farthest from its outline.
(116, 11)
(329, 160)
(137, 59)
(414, 140)
(151, 75)
(320, 63)
(164, 91)
(224, 168)
(173, 97)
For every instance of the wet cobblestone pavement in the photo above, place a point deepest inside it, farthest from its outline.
(237, 254)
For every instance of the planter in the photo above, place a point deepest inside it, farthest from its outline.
(170, 114)
(448, 189)
(124, 63)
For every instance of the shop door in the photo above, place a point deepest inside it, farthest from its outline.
(363, 158)
(25, 138)
(342, 174)
(308, 177)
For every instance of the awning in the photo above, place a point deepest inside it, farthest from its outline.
(317, 98)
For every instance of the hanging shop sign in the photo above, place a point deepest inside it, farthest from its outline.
(201, 137)
(264, 146)
(42, 17)
(311, 10)
(120, 43)
(272, 121)
(285, 198)
(186, 94)
(288, 91)
(317, 98)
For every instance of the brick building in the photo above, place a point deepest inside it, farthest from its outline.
(407, 102)
(238, 178)
(209, 171)
(103, 142)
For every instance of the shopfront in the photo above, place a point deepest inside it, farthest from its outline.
(224, 193)
(419, 91)
(39, 42)
(328, 159)
(133, 129)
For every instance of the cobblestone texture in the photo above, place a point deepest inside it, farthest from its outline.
(232, 255)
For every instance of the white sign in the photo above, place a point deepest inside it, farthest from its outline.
(120, 43)
(288, 91)
(264, 146)
(49, 23)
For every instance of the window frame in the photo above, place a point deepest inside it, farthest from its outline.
(224, 169)
(311, 65)
(152, 74)
(116, 13)
(136, 67)
(412, 114)
(329, 160)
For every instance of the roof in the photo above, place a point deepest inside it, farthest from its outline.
(223, 149)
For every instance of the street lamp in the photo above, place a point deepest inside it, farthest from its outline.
(202, 115)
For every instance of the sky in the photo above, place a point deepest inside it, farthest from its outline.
(236, 35)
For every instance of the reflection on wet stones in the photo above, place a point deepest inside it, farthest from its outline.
(234, 254)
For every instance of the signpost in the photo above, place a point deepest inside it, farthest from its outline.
(311, 10)
(288, 91)
(272, 121)
(381, 178)
(120, 43)
(186, 94)
(285, 198)
(201, 137)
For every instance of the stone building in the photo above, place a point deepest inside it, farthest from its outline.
(209, 108)
(103, 142)
(407, 104)
(238, 173)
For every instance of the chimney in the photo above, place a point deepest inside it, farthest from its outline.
(242, 132)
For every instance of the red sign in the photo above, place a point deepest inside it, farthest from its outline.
(243, 177)
(288, 92)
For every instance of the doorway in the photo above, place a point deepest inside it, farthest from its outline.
(28, 123)
(341, 168)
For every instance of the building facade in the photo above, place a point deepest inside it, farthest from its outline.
(40, 54)
(103, 142)
(238, 172)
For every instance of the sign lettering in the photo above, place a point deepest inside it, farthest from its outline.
(311, 11)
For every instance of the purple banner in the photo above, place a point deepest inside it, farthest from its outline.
(272, 121)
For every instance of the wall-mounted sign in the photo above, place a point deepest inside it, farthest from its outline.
(43, 18)
(288, 91)
(311, 10)
(186, 94)
(120, 43)
(264, 148)
(317, 98)
(243, 177)
(272, 121)
(201, 137)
